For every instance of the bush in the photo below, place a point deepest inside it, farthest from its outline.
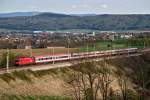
(12, 58)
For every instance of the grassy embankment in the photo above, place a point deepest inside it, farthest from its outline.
(21, 97)
(29, 85)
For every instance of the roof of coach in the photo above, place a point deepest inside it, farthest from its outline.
(52, 55)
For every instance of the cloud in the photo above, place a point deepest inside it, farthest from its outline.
(74, 6)
(84, 6)
(104, 6)
(33, 7)
(80, 6)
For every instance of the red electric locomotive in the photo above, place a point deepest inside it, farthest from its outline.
(24, 61)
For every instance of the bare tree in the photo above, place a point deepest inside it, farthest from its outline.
(122, 80)
(105, 79)
(89, 79)
(83, 81)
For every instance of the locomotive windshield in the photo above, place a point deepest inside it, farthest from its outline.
(17, 60)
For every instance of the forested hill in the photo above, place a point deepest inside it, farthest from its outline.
(52, 21)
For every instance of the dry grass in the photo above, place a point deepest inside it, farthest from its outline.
(31, 83)
(46, 85)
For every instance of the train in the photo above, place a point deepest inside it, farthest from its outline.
(20, 61)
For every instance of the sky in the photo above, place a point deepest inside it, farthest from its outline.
(77, 6)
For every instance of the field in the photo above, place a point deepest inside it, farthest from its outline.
(108, 45)
(76, 30)
(99, 45)
(38, 52)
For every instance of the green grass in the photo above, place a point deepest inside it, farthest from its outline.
(107, 45)
(21, 97)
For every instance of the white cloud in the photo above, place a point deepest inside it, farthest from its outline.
(80, 6)
(104, 6)
(84, 6)
(33, 7)
(74, 6)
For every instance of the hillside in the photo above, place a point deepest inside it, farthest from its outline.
(15, 14)
(57, 82)
(52, 21)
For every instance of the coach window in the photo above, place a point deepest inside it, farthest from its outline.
(50, 57)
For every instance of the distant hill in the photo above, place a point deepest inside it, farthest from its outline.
(53, 21)
(82, 15)
(50, 15)
(15, 14)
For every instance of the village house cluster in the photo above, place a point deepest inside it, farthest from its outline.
(48, 39)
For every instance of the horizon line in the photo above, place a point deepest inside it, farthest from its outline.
(74, 13)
